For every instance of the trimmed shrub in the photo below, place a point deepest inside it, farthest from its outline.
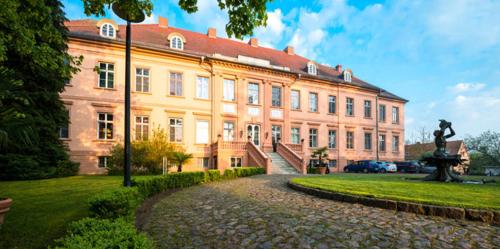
(212, 175)
(116, 203)
(313, 170)
(157, 184)
(89, 233)
(249, 171)
(229, 174)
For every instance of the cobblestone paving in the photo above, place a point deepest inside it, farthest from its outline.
(261, 212)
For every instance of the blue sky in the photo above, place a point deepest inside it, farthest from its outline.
(444, 56)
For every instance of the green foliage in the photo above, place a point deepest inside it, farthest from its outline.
(90, 233)
(229, 174)
(34, 66)
(488, 144)
(116, 203)
(244, 16)
(154, 185)
(426, 154)
(313, 170)
(478, 161)
(180, 158)
(249, 171)
(147, 155)
(212, 175)
(320, 153)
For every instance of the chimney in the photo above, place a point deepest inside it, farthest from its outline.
(253, 42)
(289, 50)
(338, 68)
(212, 33)
(162, 22)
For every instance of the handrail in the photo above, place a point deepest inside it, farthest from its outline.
(292, 158)
(295, 147)
(259, 157)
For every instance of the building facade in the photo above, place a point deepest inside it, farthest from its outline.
(224, 101)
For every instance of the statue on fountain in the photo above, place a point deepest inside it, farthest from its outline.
(441, 158)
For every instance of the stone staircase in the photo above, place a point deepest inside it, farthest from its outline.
(280, 165)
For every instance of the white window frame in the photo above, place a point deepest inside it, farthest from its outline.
(332, 104)
(395, 115)
(312, 68)
(105, 159)
(382, 116)
(107, 72)
(176, 128)
(395, 143)
(176, 42)
(347, 76)
(295, 133)
(313, 107)
(229, 90)
(349, 104)
(295, 106)
(369, 147)
(177, 83)
(332, 139)
(236, 162)
(106, 29)
(142, 80)
(65, 127)
(313, 138)
(202, 133)
(367, 109)
(253, 94)
(107, 122)
(382, 143)
(142, 127)
(349, 140)
(276, 102)
(228, 134)
(202, 87)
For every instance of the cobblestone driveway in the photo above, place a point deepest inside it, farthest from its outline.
(261, 212)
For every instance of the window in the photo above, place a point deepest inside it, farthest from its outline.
(228, 86)
(381, 113)
(106, 75)
(313, 138)
(202, 132)
(381, 142)
(102, 161)
(141, 127)
(313, 102)
(295, 135)
(395, 143)
(350, 140)
(228, 131)
(142, 80)
(347, 76)
(368, 141)
(175, 84)
(311, 68)
(107, 30)
(332, 163)
(204, 162)
(105, 126)
(314, 162)
(176, 43)
(395, 115)
(331, 104)
(368, 109)
(176, 130)
(253, 93)
(202, 87)
(64, 130)
(236, 162)
(295, 97)
(276, 96)
(349, 107)
(332, 139)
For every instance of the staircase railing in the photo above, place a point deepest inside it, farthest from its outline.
(259, 157)
(292, 158)
(295, 147)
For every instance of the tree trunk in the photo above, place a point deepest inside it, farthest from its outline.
(179, 167)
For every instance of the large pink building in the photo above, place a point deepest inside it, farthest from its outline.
(229, 103)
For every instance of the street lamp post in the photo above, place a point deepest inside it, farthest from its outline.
(137, 17)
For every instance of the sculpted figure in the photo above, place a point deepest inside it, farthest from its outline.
(440, 138)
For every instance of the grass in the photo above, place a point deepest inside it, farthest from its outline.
(42, 209)
(395, 187)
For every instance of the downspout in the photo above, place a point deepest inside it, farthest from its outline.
(376, 123)
(338, 126)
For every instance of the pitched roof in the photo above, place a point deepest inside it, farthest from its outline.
(201, 45)
(414, 151)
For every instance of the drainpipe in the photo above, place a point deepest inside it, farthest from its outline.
(338, 126)
(376, 123)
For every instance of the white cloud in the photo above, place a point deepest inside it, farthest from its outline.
(467, 87)
(150, 19)
(271, 35)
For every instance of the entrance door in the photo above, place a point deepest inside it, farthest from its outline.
(254, 133)
(276, 135)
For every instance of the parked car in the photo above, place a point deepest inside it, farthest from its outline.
(408, 166)
(365, 166)
(428, 169)
(387, 167)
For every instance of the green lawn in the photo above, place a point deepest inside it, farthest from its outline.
(42, 209)
(393, 186)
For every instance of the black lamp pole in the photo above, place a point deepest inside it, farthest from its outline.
(138, 17)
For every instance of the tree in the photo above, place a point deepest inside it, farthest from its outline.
(180, 158)
(488, 144)
(321, 154)
(34, 66)
(244, 15)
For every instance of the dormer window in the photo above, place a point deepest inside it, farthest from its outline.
(108, 30)
(347, 76)
(311, 68)
(176, 43)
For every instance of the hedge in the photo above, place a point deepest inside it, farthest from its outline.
(212, 175)
(115, 203)
(249, 171)
(89, 233)
(157, 184)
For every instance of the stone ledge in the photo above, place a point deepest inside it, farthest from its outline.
(486, 216)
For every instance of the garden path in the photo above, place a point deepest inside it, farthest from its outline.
(262, 212)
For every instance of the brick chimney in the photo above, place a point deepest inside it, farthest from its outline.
(162, 22)
(289, 50)
(338, 68)
(212, 33)
(253, 42)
